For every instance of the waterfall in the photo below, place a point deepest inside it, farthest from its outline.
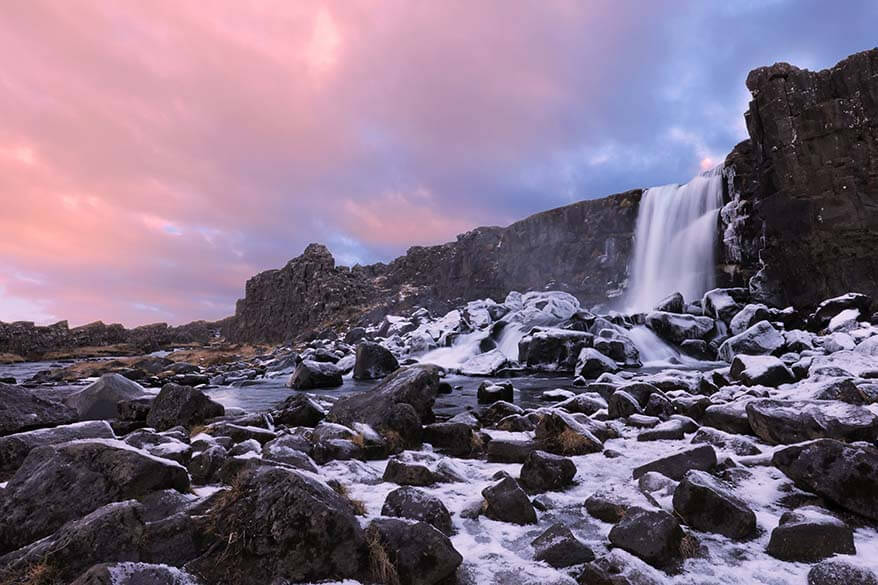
(675, 241)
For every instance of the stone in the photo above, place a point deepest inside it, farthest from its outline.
(409, 473)
(673, 303)
(559, 433)
(794, 421)
(840, 572)
(808, 535)
(722, 440)
(543, 471)
(414, 504)
(63, 482)
(417, 553)
(830, 308)
(298, 410)
(14, 448)
(558, 547)
(182, 406)
(552, 349)
(591, 363)
(131, 573)
(760, 339)
(100, 400)
(707, 504)
(671, 430)
(489, 392)
(205, 465)
(505, 501)
(510, 450)
(675, 466)
(846, 475)
(607, 506)
(723, 303)
(455, 439)
(730, 417)
(651, 535)
(621, 405)
(676, 328)
(586, 403)
(312, 374)
(299, 529)
(747, 317)
(136, 409)
(239, 433)
(618, 568)
(761, 370)
(374, 361)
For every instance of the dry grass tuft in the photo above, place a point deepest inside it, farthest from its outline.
(381, 567)
(342, 490)
(570, 442)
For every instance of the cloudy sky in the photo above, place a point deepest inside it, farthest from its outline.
(154, 155)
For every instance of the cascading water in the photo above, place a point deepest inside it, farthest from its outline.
(675, 241)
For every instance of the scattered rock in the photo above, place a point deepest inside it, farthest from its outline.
(808, 535)
(559, 548)
(561, 434)
(506, 501)
(675, 466)
(182, 406)
(373, 361)
(789, 421)
(298, 410)
(14, 448)
(489, 392)
(100, 400)
(651, 535)
(676, 328)
(546, 472)
(706, 504)
(414, 504)
(840, 572)
(312, 374)
(410, 553)
(591, 363)
(408, 473)
(763, 370)
(760, 339)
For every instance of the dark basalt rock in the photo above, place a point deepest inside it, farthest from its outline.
(760, 339)
(607, 506)
(408, 473)
(373, 361)
(297, 529)
(794, 421)
(184, 406)
(14, 448)
(675, 466)
(58, 483)
(760, 370)
(652, 535)
(507, 502)
(591, 363)
(455, 439)
(558, 547)
(705, 503)
(490, 392)
(560, 433)
(417, 552)
(677, 328)
(809, 535)
(616, 568)
(553, 350)
(846, 475)
(510, 451)
(840, 572)
(204, 466)
(312, 374)
(545, 472)
(298, 410)
(101, 399)
(415, 504)
(128, 573)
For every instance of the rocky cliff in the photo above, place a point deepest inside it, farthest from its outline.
(804, 217)
(581, 248)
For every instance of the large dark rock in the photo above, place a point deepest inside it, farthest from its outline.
(677, 328)
(558, 547)
(675, 466)
(507, 502)
(184, 406)
(400, 404)
(455, 439)
(553, 350)
(373, 361)
(829, 308)
(129, 573)
(312, 374)
(618, 568)
(298, 410)
(591, 363)
(409, 473)
(652, 535)
(58, 483)
(706, 504)
(205, 465)
(280, 524)
(100, 400)
(809, 535)
(760, 370)
(543, 471)
(410, 553)
(760, 339)
(846, 475)
(14, 448)
(414, 504)
(840, 572)
(21, 410)
(559, 433)
(794, 421)
(805, 182)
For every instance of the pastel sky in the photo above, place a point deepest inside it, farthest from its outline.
(154, 155)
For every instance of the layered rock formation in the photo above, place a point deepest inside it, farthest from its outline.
(581, 248)
(805, 185)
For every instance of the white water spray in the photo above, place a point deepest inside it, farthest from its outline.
(675, 241)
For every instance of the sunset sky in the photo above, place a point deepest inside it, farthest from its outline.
(154, 155)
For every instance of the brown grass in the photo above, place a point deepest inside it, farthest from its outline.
(570, 442)
(41, 573)
(342, 490)
(381, 567)
(689, 546)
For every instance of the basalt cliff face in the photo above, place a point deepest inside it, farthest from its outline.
(581, 248)
(804, 187)
(800, 224)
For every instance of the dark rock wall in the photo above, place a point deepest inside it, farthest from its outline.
(808, 182)
(582, 248)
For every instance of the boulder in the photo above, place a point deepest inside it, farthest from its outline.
(310, 374)
(552, 349)
(58, 483)
(846, 475)
(558, 547)
(130, 573)
(410, 553)
(510, 450)
(398, 405)
(587, 403)
(730, 417)
(760, 370)
(840, 572)
(21, 410)
(677, 328)
(205, 465)
(707, 504)
(591, 363)
(182, 406)
(793, 421)
(100, 400)
(760, 339)
(561, 434)
(651, 535)
(621, 405)
(414, 504)
(505, 501)
(409, 473)
(455, 439)
(727, 441)
(14, 448)
(673, 303)
(724, 303)
(619, 568)
(298, 410)
(675, 466)
(489, 392)
(543, 471)
(374, 361)
(298, 529)
(485, 364)
(671, 430)
(607, 506)
(829, 308)
(287, 449)
(808, 535)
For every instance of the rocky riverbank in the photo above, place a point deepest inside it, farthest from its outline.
(744, 454)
